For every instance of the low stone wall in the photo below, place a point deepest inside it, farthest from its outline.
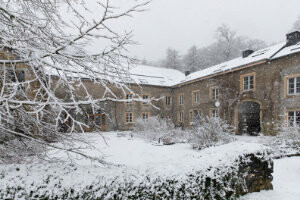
(257, 173)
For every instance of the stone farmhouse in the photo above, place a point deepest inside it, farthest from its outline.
(256, 92)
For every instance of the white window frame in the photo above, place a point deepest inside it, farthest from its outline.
(181, 99)
(196, 97)
(296, 82)
(129, 117)
(180, 116)
(293, 118)
(129, 97)
(168, 100)
(214, 113)
(248, 81)
(145, 116)
(145, 99)
(215, 93)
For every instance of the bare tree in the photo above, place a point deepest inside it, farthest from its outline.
(44, 61)
(173, 60)
(296, 25)
(226, 41)
(192, 59)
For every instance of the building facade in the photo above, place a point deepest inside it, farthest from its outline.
(257, 92)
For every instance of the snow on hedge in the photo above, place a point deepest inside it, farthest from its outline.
(140, 170)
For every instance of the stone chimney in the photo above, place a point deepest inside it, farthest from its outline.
(292, 38)
(247, 53)
(187, 73)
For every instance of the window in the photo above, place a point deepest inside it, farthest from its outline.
(145, 98)
(180, 99)
(196, 95)
(248, 82)
(294, 85)
(195, 115)
(294, 118)
(129, 117)
(214, 113)
(215, 93)
(96, 121)
(145, 116)
(129, 98)
(16, 76)
(181, 117)
(168, 100)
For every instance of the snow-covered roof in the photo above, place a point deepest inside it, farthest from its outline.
(288, 50)
(147, 75)
(156, 76)
(256, 56)
(140, 74)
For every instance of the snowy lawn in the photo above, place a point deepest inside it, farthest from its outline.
(139, 168)
(286, 182)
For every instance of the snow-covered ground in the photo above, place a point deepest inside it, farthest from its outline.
(139, 157)
(171, 159)
(286, 182)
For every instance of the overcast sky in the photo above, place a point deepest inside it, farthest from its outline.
(180, 24)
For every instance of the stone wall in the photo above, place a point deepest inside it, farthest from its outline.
(257, 174)
(269, 90)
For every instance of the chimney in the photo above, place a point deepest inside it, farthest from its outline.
(292, 38)
(187, 73)
(246, 53)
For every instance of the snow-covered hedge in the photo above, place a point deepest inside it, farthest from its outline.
(216, 173)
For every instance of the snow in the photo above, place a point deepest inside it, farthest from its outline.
(157, 76)
(286, 182)
(168, 159)
(133, 157)
(140, 74)
(128, 156)
(288, 50)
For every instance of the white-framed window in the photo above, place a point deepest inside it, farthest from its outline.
(168, 100)
(181, 117)
(294, 118)
(248, 82)
(181, 99)
(129, 117)
(294, 85)
(129, 98)
(145, 98)
(145, 116)
(214, 113)
(195, 115)
(196, 95)
(215, 93)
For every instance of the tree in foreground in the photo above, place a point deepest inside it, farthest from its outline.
(43, 53)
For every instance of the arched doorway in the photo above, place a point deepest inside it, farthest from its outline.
(249, 118)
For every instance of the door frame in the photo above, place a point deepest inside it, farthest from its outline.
(236, 113)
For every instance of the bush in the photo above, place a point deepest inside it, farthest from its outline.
(287, 142)
(158, 129)
(211, 132)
